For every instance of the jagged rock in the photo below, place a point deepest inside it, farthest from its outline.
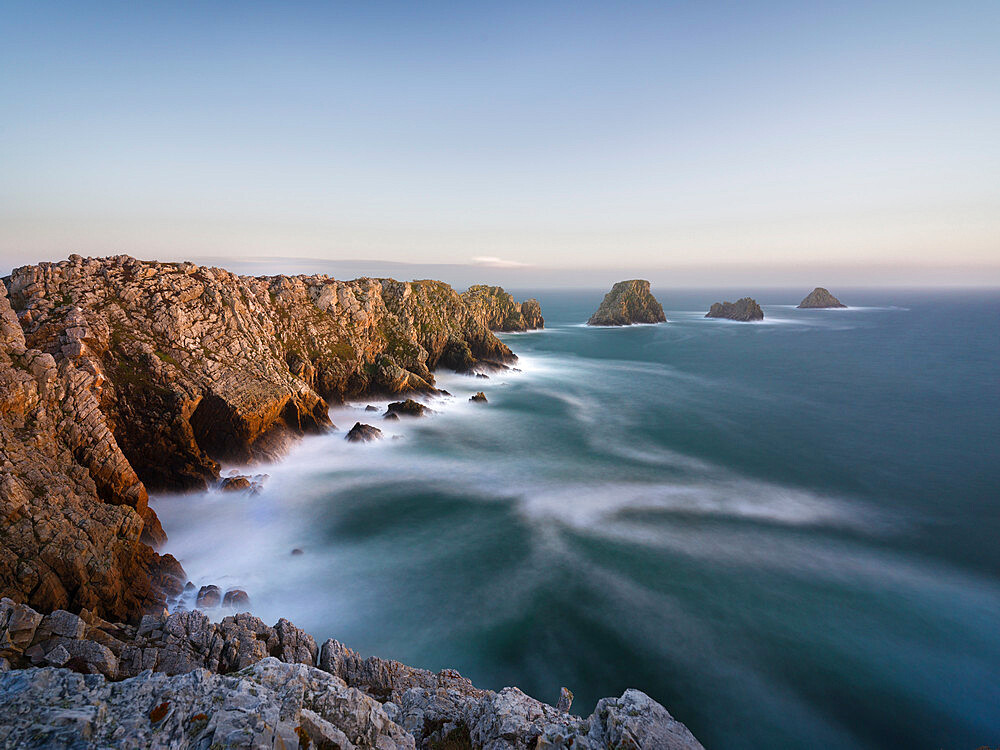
(209, 597)
(745, 310)
(236, 599)
(479, 397)
(268, 705)
(820, 297)
(338, 702)
(363, 433)
(408, 408)
(498, 311)
(565, 700)
(627, 303)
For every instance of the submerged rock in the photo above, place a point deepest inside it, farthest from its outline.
(820, 297)
(479, 398)
(363, 433)
(408, 408)
(209, 597)
(237, 599)
(238, 483)
(745, 310)
(627, 303)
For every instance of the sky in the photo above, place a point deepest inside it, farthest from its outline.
(704, 142)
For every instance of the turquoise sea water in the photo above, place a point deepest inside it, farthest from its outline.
(786, 532)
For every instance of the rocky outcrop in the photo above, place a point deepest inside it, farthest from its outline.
(408, 408)
(627, 303)
(162, 685)
(745, 310)
(497, 310)
(118, 374)
(479, 397)
(363, 433)
(820, 297)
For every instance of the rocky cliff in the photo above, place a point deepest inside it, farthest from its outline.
(500, 312)
(744, 310)
(627, 303)
(183, 681)
(118, 374)
(820, 297)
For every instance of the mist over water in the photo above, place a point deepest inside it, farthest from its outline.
(785, 532)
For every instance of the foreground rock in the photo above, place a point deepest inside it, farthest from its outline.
(118, 374)
(479, 398)
(745, 310)
(363, 433)
(627, 303)
(173, 693)
(820, 297)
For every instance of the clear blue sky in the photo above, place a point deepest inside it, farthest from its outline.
(862, 136)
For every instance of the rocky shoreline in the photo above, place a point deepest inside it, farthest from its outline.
(118, 375)
(180, 680)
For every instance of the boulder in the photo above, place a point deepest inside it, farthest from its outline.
(363, 433)
(237, 599)
(209, 597)
(479, 398)
(408, 408)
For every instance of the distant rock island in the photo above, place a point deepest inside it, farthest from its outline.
(745, 310)
(820, 297)
(627, 303)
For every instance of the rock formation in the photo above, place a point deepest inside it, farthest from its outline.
(408, 408)
(820, 297)
(498, 310)
(478, 397)
(118, 374)
(182, 681)
(745, 310)
(363, 433)
(627, 303)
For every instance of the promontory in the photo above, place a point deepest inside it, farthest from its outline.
(118, 375)
(820, 297)
(627, 303)
(744, 310)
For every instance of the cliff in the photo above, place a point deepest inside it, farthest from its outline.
(500, 312)
(820, 297)
(745, 310)
(84, 682)
(627, 303)
(118, 374)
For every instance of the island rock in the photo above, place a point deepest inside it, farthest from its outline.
(819, 298)
(745, 310)
(627, 303)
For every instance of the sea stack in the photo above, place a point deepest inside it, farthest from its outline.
(745, 310)
(820, 297)
(627, 303)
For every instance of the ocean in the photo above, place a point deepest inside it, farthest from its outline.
(787, 532)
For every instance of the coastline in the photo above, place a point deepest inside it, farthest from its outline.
(131, 373)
